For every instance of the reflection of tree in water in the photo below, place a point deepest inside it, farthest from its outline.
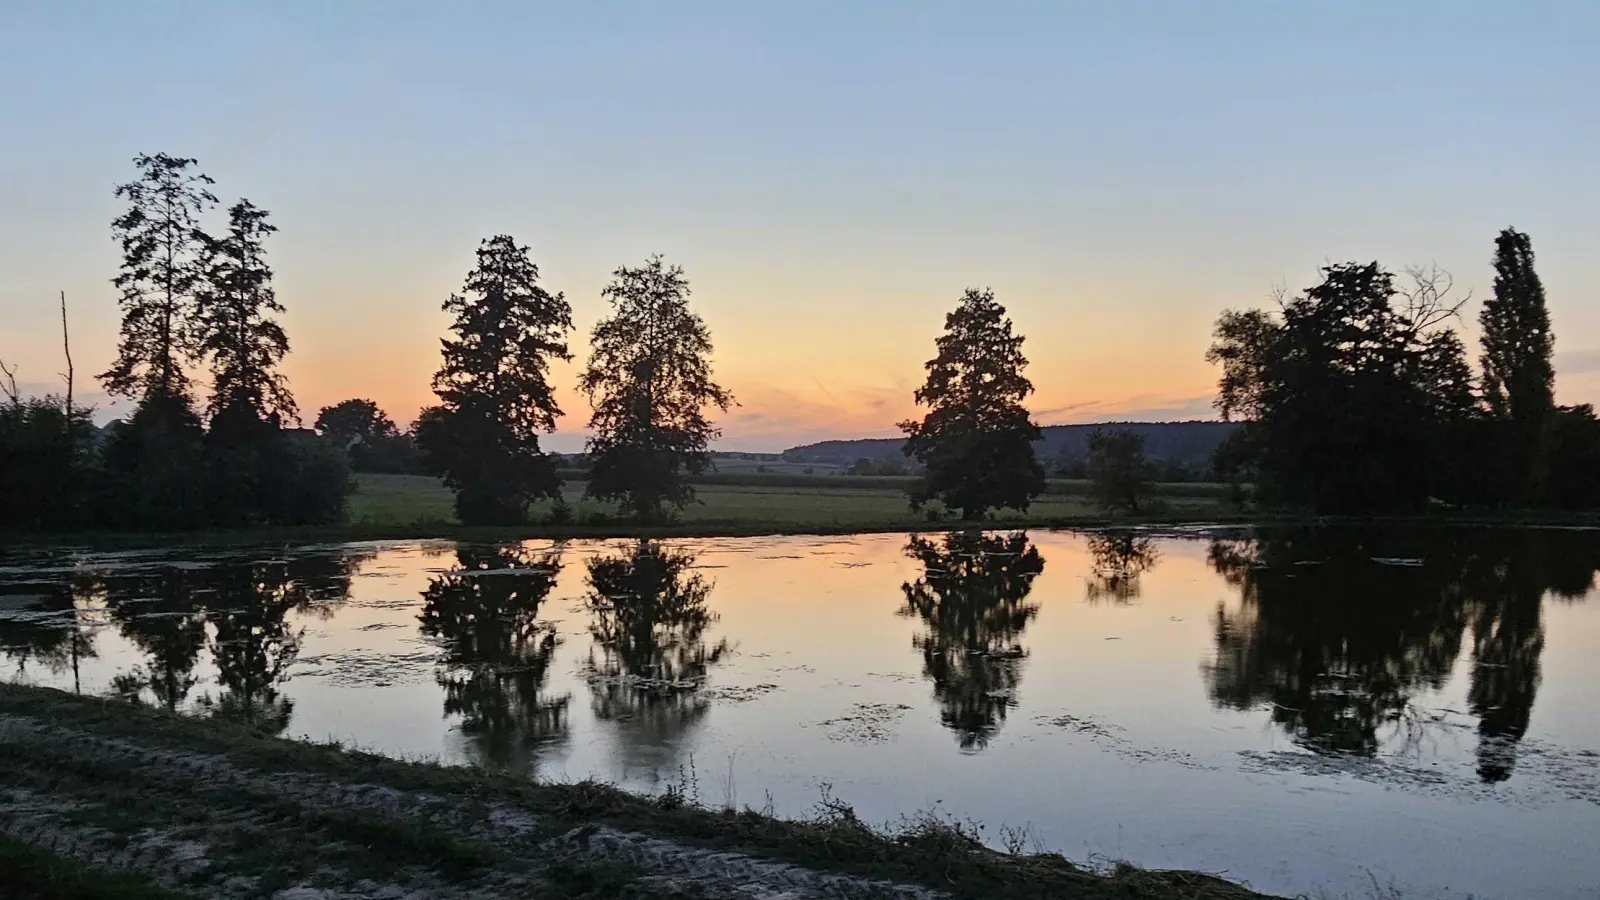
(650, 625)
(1119, 558)
(1338, 642)
(497, 652)
(1506, 593)
(164, 617)
(166, 611)
(46, 624)
(971, 599)
(253, 643)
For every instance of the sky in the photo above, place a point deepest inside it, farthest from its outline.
(831, 175)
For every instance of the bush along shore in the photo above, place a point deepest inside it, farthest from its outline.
(99, 799)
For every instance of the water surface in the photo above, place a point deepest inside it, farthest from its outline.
(1302, 710)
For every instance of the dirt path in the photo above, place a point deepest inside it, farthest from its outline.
(212, 810)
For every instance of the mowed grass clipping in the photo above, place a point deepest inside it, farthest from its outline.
(408, 499)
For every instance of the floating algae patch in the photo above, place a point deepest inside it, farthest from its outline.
(865, 723)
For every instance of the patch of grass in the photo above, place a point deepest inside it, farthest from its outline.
(771, 502)
(35, 874)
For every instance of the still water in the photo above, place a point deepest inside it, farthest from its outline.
(1305, 711)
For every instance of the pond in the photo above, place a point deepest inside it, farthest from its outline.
(1303, 710)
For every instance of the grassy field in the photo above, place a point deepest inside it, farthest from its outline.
(748, 502)
(205, 808)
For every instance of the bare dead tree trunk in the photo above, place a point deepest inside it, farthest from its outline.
(66, 346)
(8, 383)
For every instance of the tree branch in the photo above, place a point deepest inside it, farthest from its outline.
(8, 385)
(1428, 304)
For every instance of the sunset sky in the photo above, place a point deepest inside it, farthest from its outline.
(831, 175)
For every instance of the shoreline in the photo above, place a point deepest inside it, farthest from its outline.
(449, 531)
(224, 811)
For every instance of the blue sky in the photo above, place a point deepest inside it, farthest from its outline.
(831, 175)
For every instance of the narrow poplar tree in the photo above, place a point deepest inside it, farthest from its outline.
(1518, 346)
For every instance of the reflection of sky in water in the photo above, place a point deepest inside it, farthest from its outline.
(1123, 701)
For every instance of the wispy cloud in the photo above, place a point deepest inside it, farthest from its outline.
(1138, 408)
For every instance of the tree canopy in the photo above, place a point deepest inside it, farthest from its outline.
(494, 388)
(649, 385)
(976, 442)
(161, 272)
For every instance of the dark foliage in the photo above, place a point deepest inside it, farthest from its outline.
(649, 386)
(1351, 391)
(161, 273)
(494, 389)
(972, 600)
(187, 298)
(1117, 469)
(1191, 444)
(236, 331)
(651, 629)
(1568, 473)
(976, 442)
(370, 438)
(1120, 558)
(1338, 630)
(1358, 398)
(1518, 345)
(497, 653)
(46, 472)
(155, 468)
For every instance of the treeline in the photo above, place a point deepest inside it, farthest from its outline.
(195, 304)
(1357, 396)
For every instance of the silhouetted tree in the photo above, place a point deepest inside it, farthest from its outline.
(1518, 345)
(976, 442)
(369, 437)
(154, 465)
(650, 625)
(1118, 472)
(349, 421)
(1568, 475)
(497, 652)
(1352, 392)
(47, 477)
(235, 323)
(244, 345)
(1119, 558)
(972, 601)
(494, 389)
(161, 272)
(649, 385)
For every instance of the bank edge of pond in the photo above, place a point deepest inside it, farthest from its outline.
(487, 534)
(48, 740)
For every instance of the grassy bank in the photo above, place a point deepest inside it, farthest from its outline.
(208, 808)
(400, 507)
(396, 507)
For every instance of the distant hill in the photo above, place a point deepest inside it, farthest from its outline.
(1188, 443)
